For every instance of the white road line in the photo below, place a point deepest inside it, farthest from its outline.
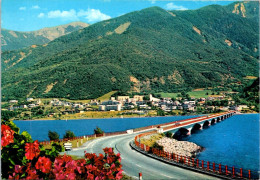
(138, 165)
(166, 176)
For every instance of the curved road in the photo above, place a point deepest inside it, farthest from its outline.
(133, 162)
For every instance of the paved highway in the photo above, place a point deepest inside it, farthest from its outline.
(134, 162)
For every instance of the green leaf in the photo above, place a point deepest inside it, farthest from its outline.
(11, 161)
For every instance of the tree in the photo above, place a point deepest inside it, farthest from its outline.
(53, 135)
(98, 131)
(69, 134)
(160, 112)
(168, 134)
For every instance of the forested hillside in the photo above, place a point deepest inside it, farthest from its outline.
(151, 50)
(12, 40)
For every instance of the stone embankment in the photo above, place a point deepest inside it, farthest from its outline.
(183, 148)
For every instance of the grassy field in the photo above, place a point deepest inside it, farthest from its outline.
(98, 114)
(151, 139)
(196, 93)
(107, 96)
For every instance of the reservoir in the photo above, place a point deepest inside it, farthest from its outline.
(39, 128)
(232, 142)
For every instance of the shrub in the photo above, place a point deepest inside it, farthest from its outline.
(98, 131)
(23, 158)
(69, 134)
(157, 146)
(53, 135)
(168, 134)
(19, 151)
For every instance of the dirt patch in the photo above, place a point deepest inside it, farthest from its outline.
(49, 87)
(34, 46)
(236, 10)
(21, 58)
(162, 81)
(44, 45)
(133, 79)
(228, 42)
(174, 15)
(13, 34)
(113, 79)
(122, 28)
(176, 77)
(243, 10)
(239, 9)
(199, 89)
(29, 94)
(197, 30)
(109, 33)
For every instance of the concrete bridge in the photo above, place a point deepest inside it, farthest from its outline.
(189, 126)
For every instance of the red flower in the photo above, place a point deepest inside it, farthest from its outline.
(32, 150)
(43, 164)
(31, 172)
(16, 173)
(7, 135)
(119, 175)
(90, 176)
(80, 166)
(108, 150)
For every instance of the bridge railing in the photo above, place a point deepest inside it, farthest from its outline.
(195, 163)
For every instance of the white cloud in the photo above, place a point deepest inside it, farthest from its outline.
(22, 8)
(171, 6)
(152, 1)
(66, 15)
(40, 15)
(36, 7)
(93, 15)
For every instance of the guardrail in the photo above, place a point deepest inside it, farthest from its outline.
(194, 163)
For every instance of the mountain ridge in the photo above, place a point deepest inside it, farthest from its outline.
(13, 40)
(150, 50)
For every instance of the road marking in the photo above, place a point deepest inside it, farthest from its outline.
(166, 176)
(138, 165)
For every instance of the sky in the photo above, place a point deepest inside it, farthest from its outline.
(30, 15)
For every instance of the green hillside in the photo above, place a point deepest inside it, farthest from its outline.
(152, 50)
(12, 40)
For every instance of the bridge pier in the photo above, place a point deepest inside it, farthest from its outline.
(189, 133)
(201, 126)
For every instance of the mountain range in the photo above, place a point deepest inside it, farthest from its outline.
(151, 50)
(12, 40)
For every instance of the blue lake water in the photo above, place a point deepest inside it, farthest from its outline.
(39, 129)
(232, 142)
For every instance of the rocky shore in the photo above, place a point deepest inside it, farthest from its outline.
(183, 148)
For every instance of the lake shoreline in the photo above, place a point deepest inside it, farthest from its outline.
(53, 119)
(112, 118)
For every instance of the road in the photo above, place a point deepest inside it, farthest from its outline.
(133, 162)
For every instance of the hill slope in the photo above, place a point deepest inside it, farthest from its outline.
(12, 40)
(148, 50)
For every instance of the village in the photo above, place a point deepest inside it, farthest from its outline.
(121, 106)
